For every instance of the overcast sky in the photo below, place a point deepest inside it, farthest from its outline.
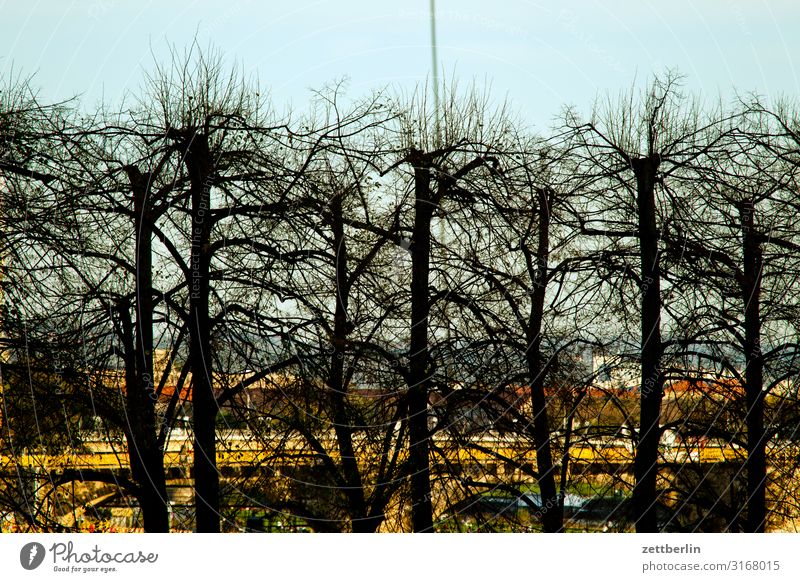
(541, 54)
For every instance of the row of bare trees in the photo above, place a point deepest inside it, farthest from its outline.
(381, 297)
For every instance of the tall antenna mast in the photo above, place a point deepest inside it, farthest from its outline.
(435, 70)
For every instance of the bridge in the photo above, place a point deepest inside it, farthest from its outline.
(241, 449)
(238, 452)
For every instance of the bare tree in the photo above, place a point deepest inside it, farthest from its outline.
(635, 148)
(731, 225)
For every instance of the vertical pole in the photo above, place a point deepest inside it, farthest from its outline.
(435, 71)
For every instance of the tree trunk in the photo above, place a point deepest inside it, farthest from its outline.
(756, 463)
(552, 515)
(645, 496)
(354, 493)
(419, 361)
(153, 483)
(204, 405)
(147, 466)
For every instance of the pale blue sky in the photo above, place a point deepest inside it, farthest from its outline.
(541, 54)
